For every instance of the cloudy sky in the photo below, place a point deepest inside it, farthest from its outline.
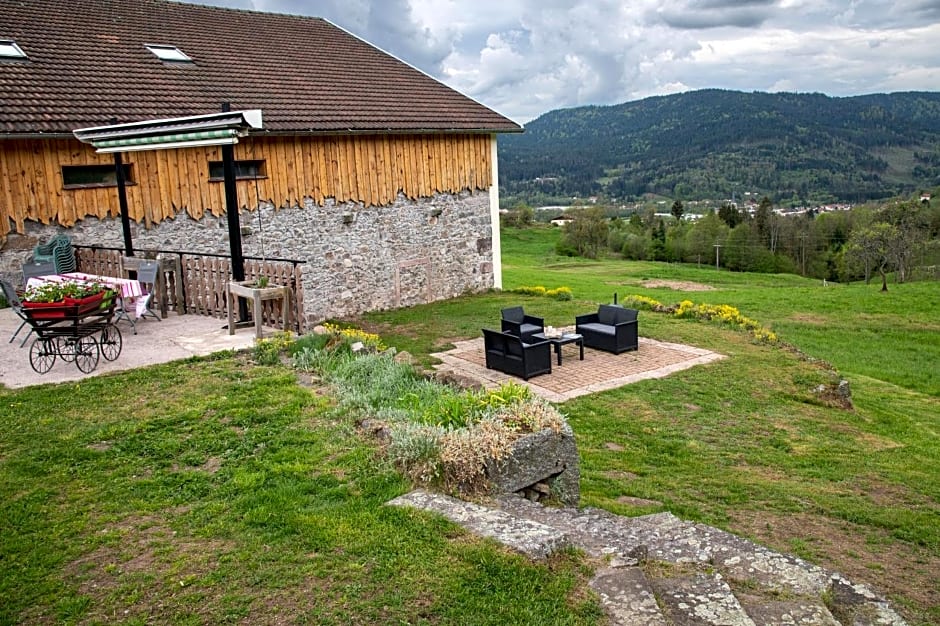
(526, 57)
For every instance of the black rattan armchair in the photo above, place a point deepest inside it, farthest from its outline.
(509, 354)
(515, 321)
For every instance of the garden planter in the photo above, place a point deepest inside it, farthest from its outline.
(256, 295)
(86, 304)
(56, 309)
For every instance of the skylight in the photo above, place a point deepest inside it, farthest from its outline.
(9, 50)
(169, 53)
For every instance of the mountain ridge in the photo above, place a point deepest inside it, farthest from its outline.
(792, 147)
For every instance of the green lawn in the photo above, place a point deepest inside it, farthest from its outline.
(743, 443)
(215, 490)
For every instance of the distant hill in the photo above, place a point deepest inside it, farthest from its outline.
(707, 144)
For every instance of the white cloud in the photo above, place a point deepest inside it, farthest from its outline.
(526, 57)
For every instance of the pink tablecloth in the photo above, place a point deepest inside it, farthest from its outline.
(129, 288)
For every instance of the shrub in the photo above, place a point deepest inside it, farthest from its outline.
(643, 303)
(559, 293)
(267, 351)
(437, 433)
(353, 335)
(726, 315)
(311, 341)
(416, 450)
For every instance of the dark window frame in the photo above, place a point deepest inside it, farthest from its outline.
(104, 171)
(216, 174)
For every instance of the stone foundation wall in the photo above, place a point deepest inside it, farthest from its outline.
(356, 258)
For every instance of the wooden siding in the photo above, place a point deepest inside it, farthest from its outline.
(371, 169)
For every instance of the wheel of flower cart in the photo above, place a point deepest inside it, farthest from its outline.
(65, 346)
(110, 342)
(42, 354)
(86, 353)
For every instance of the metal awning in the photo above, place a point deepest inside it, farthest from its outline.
(213, 129)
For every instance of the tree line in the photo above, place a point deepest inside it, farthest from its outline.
(899, 237)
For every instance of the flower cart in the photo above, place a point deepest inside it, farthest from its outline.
(72, 321)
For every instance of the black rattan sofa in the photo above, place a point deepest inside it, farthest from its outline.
(612, 329)
(509, 354)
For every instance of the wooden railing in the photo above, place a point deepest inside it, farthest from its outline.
(202, 280)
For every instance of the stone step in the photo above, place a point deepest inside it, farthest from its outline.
(700, 600)
(627, 597)
(599, 532)
(691, 567)
(788, 612)
(531, 538)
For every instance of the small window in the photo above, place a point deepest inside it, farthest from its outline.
(169, 53)
(244, 170)
(85, 176)
(9, 50)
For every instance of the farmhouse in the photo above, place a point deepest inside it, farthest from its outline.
(375, 182)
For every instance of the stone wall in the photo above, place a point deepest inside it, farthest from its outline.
(356, 258)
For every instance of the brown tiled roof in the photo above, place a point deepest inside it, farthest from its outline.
(88, 66)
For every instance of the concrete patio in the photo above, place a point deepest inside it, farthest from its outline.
(182, 336)
(598, 371)
(176, 337)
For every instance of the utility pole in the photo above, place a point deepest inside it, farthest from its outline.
(717, 250)
(803, 254)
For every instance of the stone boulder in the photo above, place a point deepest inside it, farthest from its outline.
(543, 458)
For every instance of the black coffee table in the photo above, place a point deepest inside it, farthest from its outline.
(563, 340)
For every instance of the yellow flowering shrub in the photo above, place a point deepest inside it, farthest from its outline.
(352, 335)
(724, 314)
(558, 293)
(643, 302)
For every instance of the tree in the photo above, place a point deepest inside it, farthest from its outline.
(588, 232)
(730, 214)
(677, 210)
(701, 239)
(762, 221)
(913, 224)
(872, 247)
(658, 247)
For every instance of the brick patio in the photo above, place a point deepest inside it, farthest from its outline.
(598, 371)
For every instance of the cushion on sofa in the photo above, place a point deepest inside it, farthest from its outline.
(528, 329)
(596, 327)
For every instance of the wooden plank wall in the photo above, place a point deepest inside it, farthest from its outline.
(372, 169)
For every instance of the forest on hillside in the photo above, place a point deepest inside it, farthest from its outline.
(796, 149)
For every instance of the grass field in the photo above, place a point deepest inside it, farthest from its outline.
(742, 443)
(218, 491)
